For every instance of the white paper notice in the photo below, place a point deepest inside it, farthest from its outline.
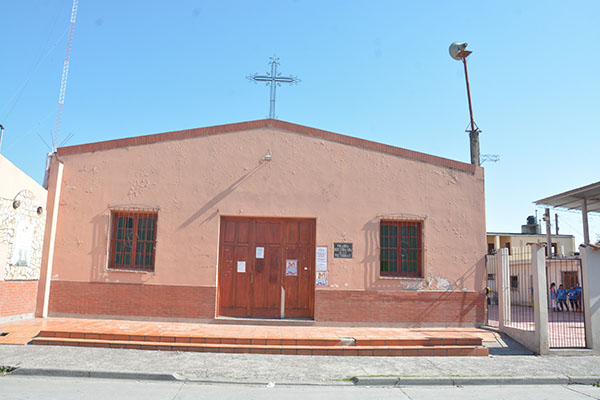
(260, 252)
(321, 259)
(241, 266)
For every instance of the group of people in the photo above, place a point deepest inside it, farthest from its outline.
(559, 297)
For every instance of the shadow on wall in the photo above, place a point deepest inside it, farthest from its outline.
(371, 257)
(468, 304)
(218, 198)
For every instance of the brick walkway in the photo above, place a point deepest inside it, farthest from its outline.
(23, 331)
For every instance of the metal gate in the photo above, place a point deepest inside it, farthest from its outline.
(491, 291)
(566, 322)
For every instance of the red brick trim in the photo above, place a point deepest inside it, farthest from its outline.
(17, 297)
(122, 299)
(268, 123)
(451, 308)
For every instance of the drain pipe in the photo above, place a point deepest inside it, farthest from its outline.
(1, 134)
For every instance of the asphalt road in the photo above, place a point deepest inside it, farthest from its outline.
(17, 387)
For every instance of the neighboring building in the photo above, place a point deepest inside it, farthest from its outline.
(22, 219)
(264, 219)
(562, 245)
(561, 268)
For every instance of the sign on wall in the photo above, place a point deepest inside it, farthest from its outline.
(342, 250)
(322, 278)
(321, 258)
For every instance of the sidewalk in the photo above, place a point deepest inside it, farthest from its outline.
(508, 363)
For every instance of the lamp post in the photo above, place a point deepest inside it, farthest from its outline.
(458, 52)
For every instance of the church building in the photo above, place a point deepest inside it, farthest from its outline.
(263, 219)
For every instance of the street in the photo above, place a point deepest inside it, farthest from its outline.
(18, 387)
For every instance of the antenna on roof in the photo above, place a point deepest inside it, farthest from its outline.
(490, 158)
(65, 76)
(63, 91)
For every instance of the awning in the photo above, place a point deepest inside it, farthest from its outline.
(585, 199)
(573, 199)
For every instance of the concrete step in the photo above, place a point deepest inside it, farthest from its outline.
(288, 341)
(331, 350)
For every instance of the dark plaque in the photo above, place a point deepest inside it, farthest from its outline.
(342, 250)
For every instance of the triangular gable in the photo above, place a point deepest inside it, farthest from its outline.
(268, 123)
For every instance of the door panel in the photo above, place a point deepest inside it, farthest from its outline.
(266, 292)
(291, 282)
(299, 290)
(226, 279)
(242, 284)
(233, 286)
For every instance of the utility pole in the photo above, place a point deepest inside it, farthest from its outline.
(458, 52)
(548, 233)
(556, 223)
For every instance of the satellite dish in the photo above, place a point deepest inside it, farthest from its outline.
(455, 49)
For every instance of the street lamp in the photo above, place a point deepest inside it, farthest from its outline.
(458, 52)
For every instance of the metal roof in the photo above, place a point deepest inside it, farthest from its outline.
(572, 199)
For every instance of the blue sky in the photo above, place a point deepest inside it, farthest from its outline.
(378, 70)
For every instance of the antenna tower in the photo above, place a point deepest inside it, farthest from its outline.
(65, 75)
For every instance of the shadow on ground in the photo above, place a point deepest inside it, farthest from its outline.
(505, 345)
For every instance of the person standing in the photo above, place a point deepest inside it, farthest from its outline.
(577, 289)
(572, 294)
(561, 294)
(553, 295)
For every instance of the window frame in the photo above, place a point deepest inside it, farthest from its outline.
(385, 246)
(137, 215)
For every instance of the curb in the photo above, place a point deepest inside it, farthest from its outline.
(474, 381)
(69, 373)
(356, 381)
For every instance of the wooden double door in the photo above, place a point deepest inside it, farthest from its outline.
(267, 267)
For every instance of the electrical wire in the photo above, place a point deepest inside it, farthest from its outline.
(14, 99)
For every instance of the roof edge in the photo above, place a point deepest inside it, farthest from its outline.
(527, 234)
(571, 192)
(268, 123)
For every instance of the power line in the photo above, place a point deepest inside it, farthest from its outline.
(14, 99)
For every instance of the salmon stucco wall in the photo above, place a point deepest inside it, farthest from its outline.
(348, 189)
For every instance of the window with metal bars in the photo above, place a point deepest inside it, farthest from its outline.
(133, 240)
(401, 248)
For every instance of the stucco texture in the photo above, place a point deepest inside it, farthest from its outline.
(346, 188)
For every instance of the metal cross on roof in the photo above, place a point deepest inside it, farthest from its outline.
(274, 79)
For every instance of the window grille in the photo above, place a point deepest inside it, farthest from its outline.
(133, 239)
(401, 248)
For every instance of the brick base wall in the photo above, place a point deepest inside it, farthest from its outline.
(418, 308)
(122, 299)
(17, 297)
(161, 301)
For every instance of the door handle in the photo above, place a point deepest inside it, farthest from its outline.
(251, 278)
